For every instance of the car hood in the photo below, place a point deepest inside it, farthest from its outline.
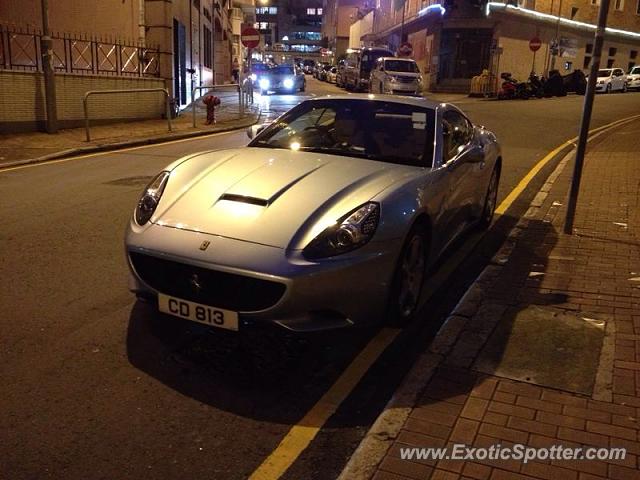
(272, 197)
(404, 74)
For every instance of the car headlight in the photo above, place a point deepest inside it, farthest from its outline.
(352, 231)
(264, 83)
(150, 198)
(254, 77)
(288, 83)
(420, 80)
(600, 82)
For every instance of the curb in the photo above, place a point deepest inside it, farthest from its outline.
(386, 428)
(73, 152)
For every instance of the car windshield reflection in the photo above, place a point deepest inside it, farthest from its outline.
(378, 130)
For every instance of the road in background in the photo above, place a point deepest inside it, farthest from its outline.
(94, 388)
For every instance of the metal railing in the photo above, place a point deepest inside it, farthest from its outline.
(79, 54)
(85, 103)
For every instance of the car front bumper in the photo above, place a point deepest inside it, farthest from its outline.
(332, 293)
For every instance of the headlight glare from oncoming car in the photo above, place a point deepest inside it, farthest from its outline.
(150, 198)
(351, 231)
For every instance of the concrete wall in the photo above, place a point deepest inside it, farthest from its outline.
(22, 105)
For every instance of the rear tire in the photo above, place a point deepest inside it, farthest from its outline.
(408, 278)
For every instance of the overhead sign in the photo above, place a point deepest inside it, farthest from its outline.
(250, 37)
(534, 44)
(405, 49)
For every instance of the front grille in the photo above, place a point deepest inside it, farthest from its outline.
(406, 79)
(209, 287)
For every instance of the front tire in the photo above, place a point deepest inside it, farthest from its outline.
(408, 279)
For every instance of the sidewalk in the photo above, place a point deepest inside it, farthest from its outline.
(544, 349)
(36, 146)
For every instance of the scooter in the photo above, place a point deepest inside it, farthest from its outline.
(536, 85)
(511, 88)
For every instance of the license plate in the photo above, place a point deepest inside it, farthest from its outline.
(196, 312)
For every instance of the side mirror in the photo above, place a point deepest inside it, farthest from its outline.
(254, 130)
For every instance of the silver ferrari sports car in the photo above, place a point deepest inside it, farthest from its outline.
(330, 216)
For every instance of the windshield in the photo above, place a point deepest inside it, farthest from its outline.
(401, 66)
(259, 67)
(372, 129)
(283, 70)
(370, 57)
(635, 71)
(604, 73)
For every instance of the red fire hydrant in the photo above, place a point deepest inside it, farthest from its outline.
(211, 102)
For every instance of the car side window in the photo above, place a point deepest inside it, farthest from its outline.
(456, 133)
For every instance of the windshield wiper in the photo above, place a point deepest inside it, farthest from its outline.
(265, 144)
(338, 151)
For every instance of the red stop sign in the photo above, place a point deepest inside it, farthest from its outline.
(250, 37)
(534, 44)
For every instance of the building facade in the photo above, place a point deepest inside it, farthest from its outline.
(115, 44)
(454, 40)
(338, 17)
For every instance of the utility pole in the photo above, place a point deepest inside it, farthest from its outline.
(555, 52)
(46, 49)
(586, 116)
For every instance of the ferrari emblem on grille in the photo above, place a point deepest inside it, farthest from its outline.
(194, 281)
(204, 245)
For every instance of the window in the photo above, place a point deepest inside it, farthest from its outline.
(638, 8)
(456, 134)
(273, 10)
(319, 11)
(207, 60)
(613, 51)
(595, 2)
(619, 5)
(633, 54)
(587, 62)
(311, 11)
(610, 63)
(589, 48)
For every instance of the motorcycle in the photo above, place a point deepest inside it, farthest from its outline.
(512, 89)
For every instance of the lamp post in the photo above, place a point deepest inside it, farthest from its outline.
(46, 47)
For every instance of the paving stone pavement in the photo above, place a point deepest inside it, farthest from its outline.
(593, 275)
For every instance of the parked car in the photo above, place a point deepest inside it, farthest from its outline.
(358, 65)
(283, 78)
(332, 74)
(396, 76)
(322, 74)
(633, 78)
(611, 80)
(330, 217)
(319, 68)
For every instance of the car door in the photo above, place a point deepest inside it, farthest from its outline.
(464, 171)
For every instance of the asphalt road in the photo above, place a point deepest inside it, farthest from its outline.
(94, 387)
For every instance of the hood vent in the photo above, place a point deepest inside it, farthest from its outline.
(244, 199)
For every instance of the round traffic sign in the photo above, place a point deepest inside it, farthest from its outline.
(534, 44)
(250, 37)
